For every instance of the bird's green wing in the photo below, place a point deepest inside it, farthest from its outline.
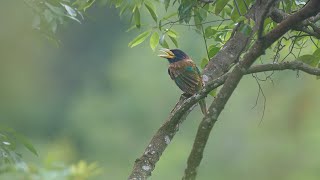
(187, 78)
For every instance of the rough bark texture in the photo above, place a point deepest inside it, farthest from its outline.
(257, 49)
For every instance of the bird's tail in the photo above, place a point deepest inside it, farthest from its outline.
(203, 106)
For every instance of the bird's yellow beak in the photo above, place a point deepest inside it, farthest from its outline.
(167, 53)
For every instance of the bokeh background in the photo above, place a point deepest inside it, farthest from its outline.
(95, 99)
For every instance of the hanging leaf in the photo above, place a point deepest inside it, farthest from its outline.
(197, 20)
(220, 4)
(70, 10)
(174, 40)
(123, 9)
(213, 50)
(26, 143)
(309, 59)
(154, 40)
(213, 93)
(316, 53)
(151, 10)
(137, 17)
(172, 33)
(139, 39)
(204, 62)
(166, 4)
(209, 32)
(163, 42)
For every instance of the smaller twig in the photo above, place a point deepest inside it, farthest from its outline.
(264, 98)
(257, 98)
(315, 44)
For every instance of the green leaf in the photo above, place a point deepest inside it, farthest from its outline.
(204, 62)
(197, 20)
(166, 4)
(213, 50)
(209, 32)
(172, 33)
(48, 16)
(234, 14)
(131, 28)
(137, 17)
(170, 15)
(309, 59)
(300, 2)
(71, 17)
(154, 40)
(203, 13)
(213, 93)
(267, 21)
(241, 18)
(151, 10)
(123, 9)
(246, 29)
(139, 39)
(174, 40)
(241, 7)
(70, 10)
(26, 143)
(316, 53)
(220, 4)
(163, 42)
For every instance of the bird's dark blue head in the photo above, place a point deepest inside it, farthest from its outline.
(173, 55)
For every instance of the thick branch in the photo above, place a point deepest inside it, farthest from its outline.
(146, 163)
(258, 48)
(278, 16)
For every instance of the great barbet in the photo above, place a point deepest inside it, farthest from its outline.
(185, 73)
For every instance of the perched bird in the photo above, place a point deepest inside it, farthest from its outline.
(185, 73)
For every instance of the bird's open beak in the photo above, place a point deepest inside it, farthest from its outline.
(167, 53)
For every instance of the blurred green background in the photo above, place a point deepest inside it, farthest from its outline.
(94, 99)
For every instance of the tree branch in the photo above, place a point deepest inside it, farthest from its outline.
(145, 164)
(213, 73)
(278, 16)
(257, 49)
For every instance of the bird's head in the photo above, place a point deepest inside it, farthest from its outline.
(173, 55)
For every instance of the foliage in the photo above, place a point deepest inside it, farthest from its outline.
(78, 171)
(214, 20)
(9, 140)
(49, 14)
(12, 165)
